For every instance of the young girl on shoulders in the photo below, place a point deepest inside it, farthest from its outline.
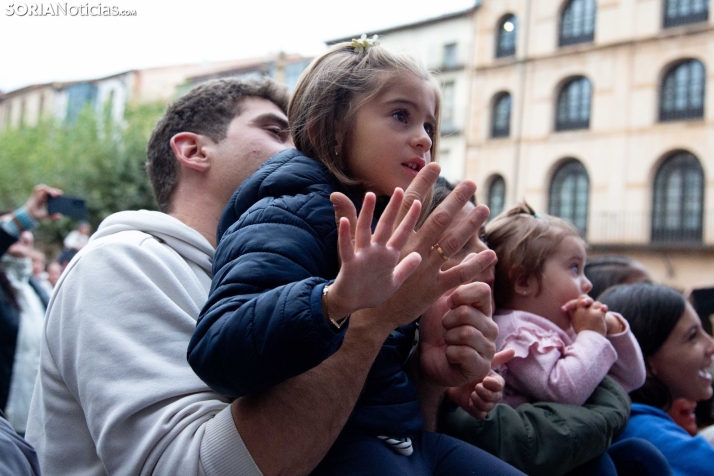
(565, 342)
(287, 278)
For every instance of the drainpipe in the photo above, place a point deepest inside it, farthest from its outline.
(522, 101)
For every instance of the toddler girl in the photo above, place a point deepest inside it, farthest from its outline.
(565, 342)
(363, 120)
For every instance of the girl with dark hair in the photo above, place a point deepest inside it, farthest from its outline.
(678, 355)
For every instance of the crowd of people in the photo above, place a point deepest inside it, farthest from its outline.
(312, 298)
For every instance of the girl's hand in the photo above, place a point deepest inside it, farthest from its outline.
(479, 399)
(587, 314)
(614, 325)
(371, 269)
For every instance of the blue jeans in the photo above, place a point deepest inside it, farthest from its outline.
(434, 455)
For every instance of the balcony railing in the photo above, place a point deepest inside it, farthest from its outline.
(635, 228)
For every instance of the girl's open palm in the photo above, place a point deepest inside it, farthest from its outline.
(371, 270)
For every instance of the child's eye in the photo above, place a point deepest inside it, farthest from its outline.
(429, 128)
(401, 116)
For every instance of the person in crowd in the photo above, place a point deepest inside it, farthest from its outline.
(17, 457)
(364, 122)
(606, 271)
(678, 355)
(24, 302)
(540, 439)
(39, 275)
(79, 237)
(565, 342)
(143, 278)
(54, 270)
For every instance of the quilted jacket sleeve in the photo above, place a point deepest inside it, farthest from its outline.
(263, 322)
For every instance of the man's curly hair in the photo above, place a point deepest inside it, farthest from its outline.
(207, 109)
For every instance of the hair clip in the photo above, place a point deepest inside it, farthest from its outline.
(536, 215)
(364, 43)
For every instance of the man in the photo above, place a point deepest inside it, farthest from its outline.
(116, 394)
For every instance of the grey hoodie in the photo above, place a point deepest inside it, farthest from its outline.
(115, 394)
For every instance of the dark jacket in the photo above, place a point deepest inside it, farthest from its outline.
(9, 325)
(263, 322)
(545, 438)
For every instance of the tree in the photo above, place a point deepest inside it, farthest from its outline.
(92, 157)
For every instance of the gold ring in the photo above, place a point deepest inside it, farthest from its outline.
(440, 251)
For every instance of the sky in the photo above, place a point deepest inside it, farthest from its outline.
(62, 47)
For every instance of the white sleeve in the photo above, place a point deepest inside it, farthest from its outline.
(117, 331)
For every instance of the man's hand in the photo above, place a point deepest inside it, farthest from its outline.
(36, 205)
(457, 337)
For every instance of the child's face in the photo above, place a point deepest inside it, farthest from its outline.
(392, 135)
(562, 280)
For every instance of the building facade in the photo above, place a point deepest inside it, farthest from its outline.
(600, 111)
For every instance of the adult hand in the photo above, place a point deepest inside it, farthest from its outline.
(457, 337)
(428, 282)
(36, 205)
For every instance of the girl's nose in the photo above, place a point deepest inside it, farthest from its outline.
(587, 285)
(421, 139)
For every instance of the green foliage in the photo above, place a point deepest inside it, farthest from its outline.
(92, 158)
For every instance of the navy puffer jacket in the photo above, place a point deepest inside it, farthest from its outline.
(263, 322)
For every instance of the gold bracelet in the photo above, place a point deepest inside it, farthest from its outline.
(337, 324)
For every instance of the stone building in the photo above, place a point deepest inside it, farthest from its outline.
(601, 111)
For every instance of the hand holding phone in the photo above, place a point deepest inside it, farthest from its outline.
(68, 206)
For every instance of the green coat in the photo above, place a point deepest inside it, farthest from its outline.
(546, 438)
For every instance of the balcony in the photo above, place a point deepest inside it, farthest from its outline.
(635, 229)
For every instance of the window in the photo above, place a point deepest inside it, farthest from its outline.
(496, 196)
(577, 23)
(501, 119)
(681, 12)
(506, 37)
(447, 107)
(569, 191)
(678, 200)
(451, 59)
(79, 95)
(573, 108)
(682, 95)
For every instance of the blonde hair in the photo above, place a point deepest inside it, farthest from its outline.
(333, 88)
(523, 240)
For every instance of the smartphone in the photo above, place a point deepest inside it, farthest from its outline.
(68, 206)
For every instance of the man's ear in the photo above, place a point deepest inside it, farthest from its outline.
(524, 283)
(189, 149)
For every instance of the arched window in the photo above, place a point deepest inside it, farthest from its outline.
(501, 117)
(577, 23)
(681, 12)
(573, 108)
(678, 200)
(682, 94)
(496, 196)
(506, 36)
(569, 192)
